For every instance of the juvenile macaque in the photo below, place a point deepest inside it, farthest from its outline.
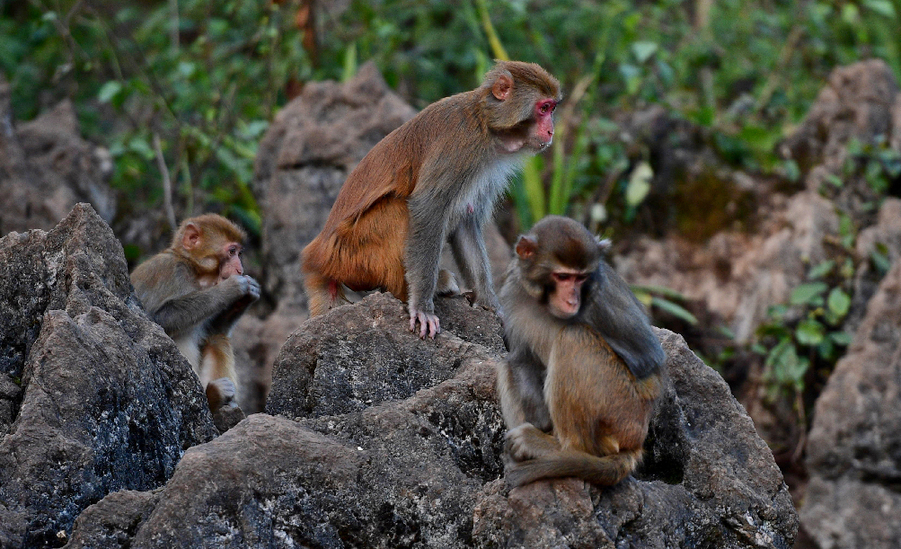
(579, 385)
(434, 179)
(197, 290)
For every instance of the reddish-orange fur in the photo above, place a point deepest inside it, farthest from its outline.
(363, 242)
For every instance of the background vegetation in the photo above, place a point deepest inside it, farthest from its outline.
(184, 89)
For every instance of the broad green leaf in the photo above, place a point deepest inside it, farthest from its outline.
(810, 333)
(674, 309)
(659, 290)
(841, 338)
(839, 302)
(644, 50)
(639, 184)
(882, 7)
(808, 294)
(108, 91)
(821, 270)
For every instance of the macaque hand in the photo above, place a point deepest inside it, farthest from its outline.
(243, 285)
(428, 322)
(528, 442)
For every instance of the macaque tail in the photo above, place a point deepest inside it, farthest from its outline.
(322, 293)
(602, 471)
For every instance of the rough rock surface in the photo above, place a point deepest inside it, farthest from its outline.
(304, 158)
(46, 168)
(379, 457)
(94, 397)
(854, 448)
(861, 101)
(355, 358)
(736, 275)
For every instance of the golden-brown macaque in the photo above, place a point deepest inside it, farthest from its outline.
(197, 290)
(436, 178)
(579, 385)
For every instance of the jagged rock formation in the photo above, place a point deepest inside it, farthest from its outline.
(94, 397)
(381, 439)
(854, 449)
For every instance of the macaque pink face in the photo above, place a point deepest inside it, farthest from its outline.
(230, 262)
(566, 300)
(544, 122)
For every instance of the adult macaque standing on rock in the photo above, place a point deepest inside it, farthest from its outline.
(197, 290)
(435, 178)
(584, 364)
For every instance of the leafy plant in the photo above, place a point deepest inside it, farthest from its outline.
(805, 331)
(664, 299)
(178, 95)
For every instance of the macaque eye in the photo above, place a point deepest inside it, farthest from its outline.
(566, 277)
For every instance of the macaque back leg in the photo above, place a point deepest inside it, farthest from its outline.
(468, 248)
(587, 394)
(217, 371)
(218, 359)
(322, 293)
(369, 252)
(613, 408)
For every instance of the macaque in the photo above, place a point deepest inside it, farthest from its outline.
(197, 290)
(436, 178)
(579, 385)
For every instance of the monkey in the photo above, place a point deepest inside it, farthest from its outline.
(197, 290)
(436, 178)
(579, 384)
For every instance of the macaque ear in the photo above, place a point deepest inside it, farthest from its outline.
(603, 244)
(191, 237)
(526, 247)
(502, 87)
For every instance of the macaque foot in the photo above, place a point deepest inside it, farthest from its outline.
(474, 301)
(447, 283)
(528, 442)
(428, 323)
(220, 394)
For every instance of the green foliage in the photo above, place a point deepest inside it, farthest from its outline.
(191, 90)
(666, 300)
(878, 163)
(208, 77)
(808, 330)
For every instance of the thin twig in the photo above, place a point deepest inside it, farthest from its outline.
(167, 183)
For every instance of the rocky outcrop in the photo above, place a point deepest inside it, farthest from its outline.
(46, 168)
(377, 438)
(384, 457)
(304, 158)
(854, 448)
(94, 397)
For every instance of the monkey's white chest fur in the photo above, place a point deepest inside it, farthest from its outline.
(483, 190)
